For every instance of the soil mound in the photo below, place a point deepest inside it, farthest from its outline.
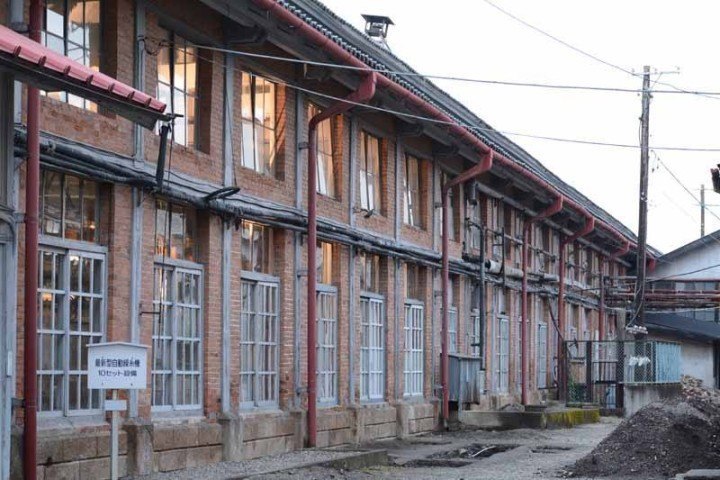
(661, 439)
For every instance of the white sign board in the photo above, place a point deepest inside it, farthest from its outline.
(117, 365)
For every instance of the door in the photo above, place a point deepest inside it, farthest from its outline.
(6, 368)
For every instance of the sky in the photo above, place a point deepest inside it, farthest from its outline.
(678, 39)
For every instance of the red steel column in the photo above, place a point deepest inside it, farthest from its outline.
(32, 194)
(365, 92)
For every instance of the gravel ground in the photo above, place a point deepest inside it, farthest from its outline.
(522, 463)
(227, 470)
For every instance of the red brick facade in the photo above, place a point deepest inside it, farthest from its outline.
(76, 446)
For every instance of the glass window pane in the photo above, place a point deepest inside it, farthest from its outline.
(73, 208)
(55, 17)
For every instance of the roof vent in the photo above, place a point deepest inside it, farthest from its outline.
(376, 27)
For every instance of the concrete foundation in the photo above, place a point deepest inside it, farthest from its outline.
(561, 418)
(639, 395)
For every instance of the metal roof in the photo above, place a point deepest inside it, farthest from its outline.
(40, 66)
(681, 326)
(362, 47)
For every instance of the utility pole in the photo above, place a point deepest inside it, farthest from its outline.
(702, 211)
(639, 303)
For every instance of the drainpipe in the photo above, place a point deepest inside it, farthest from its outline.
(32, 194)
(365, 92)
(474, 171)
(564, 242)
(556, 206)
(601, 310)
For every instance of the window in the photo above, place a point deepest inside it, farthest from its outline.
(542, 347)
(327, 344)
(452, 208)
(474, 224)
(452, 318)
(517, 344)
(414, 349)
(502, 346)
(412, 211)
(496, 225)
(327, 320)
(71, 316)
(369, 172)
(369, 272)
(372, 348)
(414, 285)
(259, 134)
(475, 329)
(325, 157)
(72, 29)
(69, 207)
(256, 248)
(259, 344)
(177, 69)
(177, 338)
(177, 310)
(175, 235)
(324, 260)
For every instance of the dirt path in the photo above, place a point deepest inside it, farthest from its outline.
(535, 454)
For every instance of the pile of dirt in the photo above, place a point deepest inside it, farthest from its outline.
(661, 439)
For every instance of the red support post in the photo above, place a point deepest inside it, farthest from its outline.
(365, 92)
(472, 172)
(32, 195)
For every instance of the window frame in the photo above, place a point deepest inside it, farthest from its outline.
(183, 266)
(375, 174)
(542, 356)
(502, 356)
(259, 279)
(329, 370)
(177, 41)
(64, 96)
(412, 365)
(413, 214)
(325, 170)
(266, 165)
(68, 248)
(63, 192)
(371, 349)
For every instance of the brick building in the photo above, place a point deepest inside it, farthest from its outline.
(215, 285)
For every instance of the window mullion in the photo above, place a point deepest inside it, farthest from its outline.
(256, 343)
(173, 332)
(66, 335)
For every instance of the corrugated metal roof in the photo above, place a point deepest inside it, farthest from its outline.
(362, 47)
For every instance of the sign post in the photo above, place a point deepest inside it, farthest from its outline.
(114, 366)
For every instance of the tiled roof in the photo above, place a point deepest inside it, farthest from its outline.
(362, 47)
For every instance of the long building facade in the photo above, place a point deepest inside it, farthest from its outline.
(214, 282)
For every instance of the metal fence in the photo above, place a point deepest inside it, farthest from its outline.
(595, 371)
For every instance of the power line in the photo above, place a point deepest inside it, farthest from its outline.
(595, 57)
(473, 128)
(409, 73)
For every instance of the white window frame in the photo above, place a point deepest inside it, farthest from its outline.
(542, 349)
(502, 354)
(259, 346)
(370, 181)
(327, 346)
(475, 333)
(453, 329)
(175, 267)
(372, 347)
(68, 249)
(414, 349)
(412, 211)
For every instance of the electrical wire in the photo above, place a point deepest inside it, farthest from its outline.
(472, 128)
(595, 57)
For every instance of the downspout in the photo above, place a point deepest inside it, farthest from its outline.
(474, 171)
(556, 206)
(601, 309)
(365, 92)
(32, 194)
(564, 242)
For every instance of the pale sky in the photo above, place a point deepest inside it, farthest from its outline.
(472, 39)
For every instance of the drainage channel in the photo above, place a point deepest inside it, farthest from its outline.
(459, 457)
